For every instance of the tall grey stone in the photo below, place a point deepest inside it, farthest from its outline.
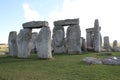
(24, 43)
(12, 43)
(107, 43)
(115, 46)
(34, 41)
(83, 44)
(44, 43)
(73, 39)
(89, 38)
(97, 45)
(58, 40)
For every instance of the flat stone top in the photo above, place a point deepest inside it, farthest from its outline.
(67, 22)
(35, 24)
(91, 29)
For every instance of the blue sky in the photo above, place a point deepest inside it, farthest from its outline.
(13, 13)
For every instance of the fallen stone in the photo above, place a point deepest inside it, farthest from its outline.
(111, 61)
(91, 60)
(2, 53)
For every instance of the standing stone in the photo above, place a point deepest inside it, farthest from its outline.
(24, 43)
(73, 39)
(107, 44)
(34, 42)
(12, 43)
(115, 46)
(58, 40)
(89, 38)
(44, 43)
(97, 45)
(83, 47)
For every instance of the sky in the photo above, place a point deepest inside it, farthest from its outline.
(13, 13)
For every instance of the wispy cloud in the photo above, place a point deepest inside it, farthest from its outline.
(30, 14)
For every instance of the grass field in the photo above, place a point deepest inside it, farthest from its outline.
(62, 67)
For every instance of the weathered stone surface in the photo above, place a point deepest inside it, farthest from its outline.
(66, 22)
(111, 60)
(107, 44)
(91, 60)
(83, 44)
(59, 41)
(24, 43)
(2, 53)
(89, 38)
(115, 46)
(12, 43)
(73, 39)
(97, 45)
(34, 41)
(44, 43)
(35, 24)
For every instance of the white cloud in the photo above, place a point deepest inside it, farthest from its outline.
(107, 11)
(29, 14)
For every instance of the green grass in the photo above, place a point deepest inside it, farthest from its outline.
(62, 67)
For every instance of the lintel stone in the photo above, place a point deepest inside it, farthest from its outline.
(91, 29)
(35, 24)
(67, 22)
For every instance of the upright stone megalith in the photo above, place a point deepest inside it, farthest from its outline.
(44, 43)
(12, 44)
(73, 39)
(89, 39)
(115, 46)
(34, 42)
(107, 43)
(70, 44)
(24, 43)
(58, 40)
(97, 43)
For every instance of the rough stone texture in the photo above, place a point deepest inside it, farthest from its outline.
(58, 41)
(73, 39)
(111, 60)
(44, 43)
(89, 38)
(91, 60)
(115, 46)
(83, 44)
(34, 42)
(97, 45)
(2, 53)
(66, 22)
(24, 43)
(12, 43)
(35, 24)
(107, 44)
